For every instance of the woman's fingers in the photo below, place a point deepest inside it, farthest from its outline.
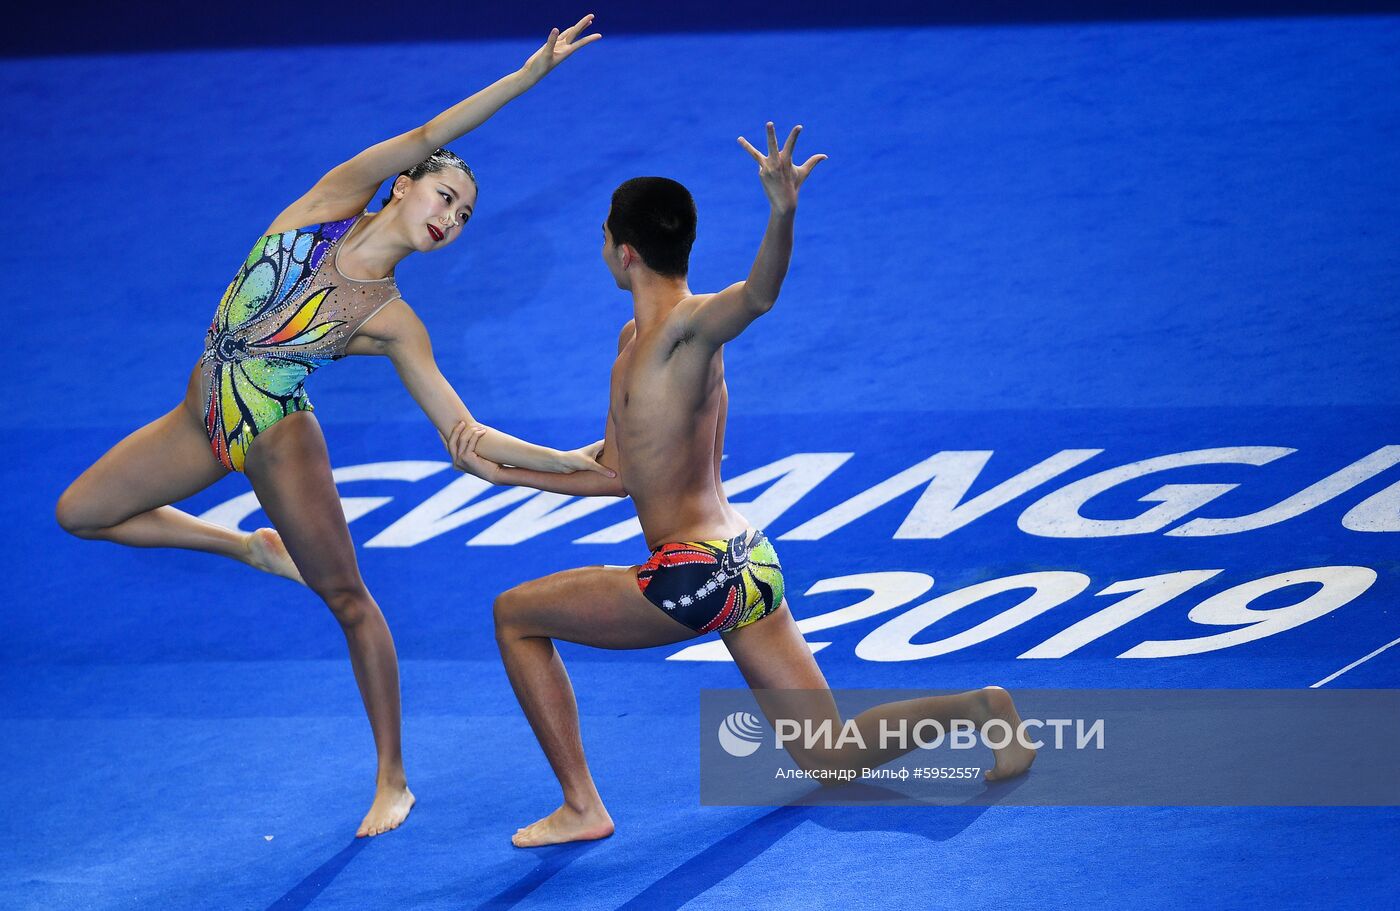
(586, 41)
(595, 465)
(572, 32)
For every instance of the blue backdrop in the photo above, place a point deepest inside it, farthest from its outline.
(1139, 239)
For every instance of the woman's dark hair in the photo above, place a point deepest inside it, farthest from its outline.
(440, 160)
(656, 216)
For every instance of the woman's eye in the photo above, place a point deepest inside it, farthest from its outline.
(444, 196)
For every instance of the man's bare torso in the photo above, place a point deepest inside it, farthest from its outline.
(668, 404)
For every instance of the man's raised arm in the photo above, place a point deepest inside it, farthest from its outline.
(723, 316)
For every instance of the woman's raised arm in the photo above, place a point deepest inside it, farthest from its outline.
(346, 189)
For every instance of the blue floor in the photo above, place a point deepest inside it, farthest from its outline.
(1137, 240)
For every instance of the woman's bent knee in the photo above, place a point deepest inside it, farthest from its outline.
(350, 603)
(74, 518)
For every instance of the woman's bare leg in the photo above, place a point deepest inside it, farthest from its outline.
(124, 497)
(291, 474)
(778, 664)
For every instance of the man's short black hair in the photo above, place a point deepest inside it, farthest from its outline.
(656, 216)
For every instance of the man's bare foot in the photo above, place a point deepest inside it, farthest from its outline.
(1014, 758)
(267, 553)
(565, 824)
(390, 808)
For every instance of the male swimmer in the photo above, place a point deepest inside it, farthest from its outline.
(709, 570)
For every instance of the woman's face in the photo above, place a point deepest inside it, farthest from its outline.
(434, 208)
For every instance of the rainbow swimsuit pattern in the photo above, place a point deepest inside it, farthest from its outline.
(287, 311)
(714, 585)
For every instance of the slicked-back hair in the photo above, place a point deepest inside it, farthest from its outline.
(656, 216)
(440, 160)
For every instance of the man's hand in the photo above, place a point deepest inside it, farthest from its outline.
(462, 447)
(780, 178)
(556, 48)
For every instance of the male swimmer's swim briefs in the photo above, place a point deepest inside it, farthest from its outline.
(288, 311)
(714, 585)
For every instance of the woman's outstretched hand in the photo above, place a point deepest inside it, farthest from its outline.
(557, 47)
(585, 459)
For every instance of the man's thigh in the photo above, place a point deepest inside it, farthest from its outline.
(777, 663)
(599, 606)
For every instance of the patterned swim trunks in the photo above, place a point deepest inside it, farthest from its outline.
(714, 585)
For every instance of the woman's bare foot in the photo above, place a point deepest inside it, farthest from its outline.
(1014, 758)
(267, 553)
(565, 824)
(390, 808)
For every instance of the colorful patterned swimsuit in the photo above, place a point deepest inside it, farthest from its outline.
(288, 311)
(714, 585)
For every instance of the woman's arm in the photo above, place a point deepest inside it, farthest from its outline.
(349, 187)
(397, 333)
(464, 441)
